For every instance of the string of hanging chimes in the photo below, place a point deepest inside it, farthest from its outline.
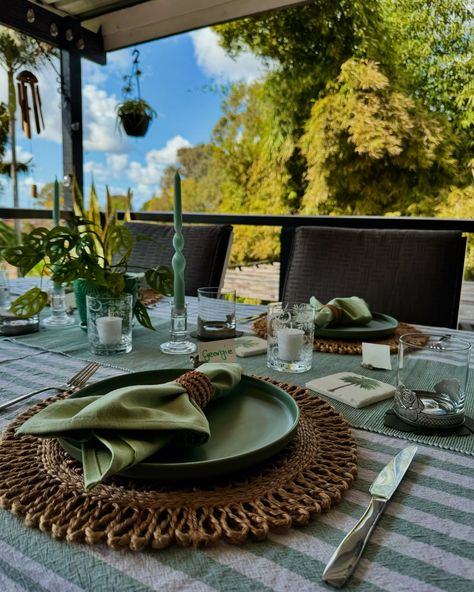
(25, 80)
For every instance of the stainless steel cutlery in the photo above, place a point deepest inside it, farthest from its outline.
(347, 555)
(75, 382)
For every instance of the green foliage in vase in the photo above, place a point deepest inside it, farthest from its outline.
(81, 250)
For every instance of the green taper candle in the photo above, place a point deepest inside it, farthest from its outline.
(178, 261)
(56, 210)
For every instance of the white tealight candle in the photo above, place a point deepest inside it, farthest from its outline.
(290, 342)
(109, 330)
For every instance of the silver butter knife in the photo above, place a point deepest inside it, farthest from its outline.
(346, 556)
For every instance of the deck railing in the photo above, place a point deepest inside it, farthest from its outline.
(286, 223)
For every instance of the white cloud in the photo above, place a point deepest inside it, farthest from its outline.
(113, 168)
(22, 155)
(100, 130)
(143, 177)
(118, 65)
(217, 64)
(156, 161)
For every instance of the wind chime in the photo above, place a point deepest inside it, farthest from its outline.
(25, 80)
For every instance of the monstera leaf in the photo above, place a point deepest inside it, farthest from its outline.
(29, 303)
(160, 279)
(142, 316)
(60, 242)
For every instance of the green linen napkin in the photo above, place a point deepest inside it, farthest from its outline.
(120, 429)
(338, 311)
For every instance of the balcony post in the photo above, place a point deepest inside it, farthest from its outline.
(71, 106)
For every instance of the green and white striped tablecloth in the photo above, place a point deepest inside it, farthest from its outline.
(423, 542)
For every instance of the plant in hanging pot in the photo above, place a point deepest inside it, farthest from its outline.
(95, 259)
(134, 113)
(135, 116)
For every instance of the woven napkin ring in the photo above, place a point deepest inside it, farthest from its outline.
(198, 386)
(335, 310)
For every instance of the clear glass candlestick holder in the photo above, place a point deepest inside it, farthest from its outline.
(59, 317)
(179, 342)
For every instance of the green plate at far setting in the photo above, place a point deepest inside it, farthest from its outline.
(248, 426)
(381, 325)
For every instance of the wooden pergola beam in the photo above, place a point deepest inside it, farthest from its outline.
(63, 32)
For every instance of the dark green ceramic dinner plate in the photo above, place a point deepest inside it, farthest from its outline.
(381, 325)
(248, 426)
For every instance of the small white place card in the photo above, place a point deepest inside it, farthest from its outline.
(352, 389)
(250, 345)
(376, 355)
(222, 350)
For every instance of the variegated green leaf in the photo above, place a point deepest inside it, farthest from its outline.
(142, 316)
(160, 279)
(29, 303)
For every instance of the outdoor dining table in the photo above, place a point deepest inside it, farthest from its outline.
(423, 542)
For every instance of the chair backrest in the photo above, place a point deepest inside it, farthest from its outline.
(413, 275)
(206, 250)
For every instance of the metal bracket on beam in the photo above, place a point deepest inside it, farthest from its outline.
(64, 32)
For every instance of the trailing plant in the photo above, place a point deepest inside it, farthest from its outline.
(134, 113)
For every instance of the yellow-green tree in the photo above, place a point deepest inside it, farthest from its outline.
(373, 149)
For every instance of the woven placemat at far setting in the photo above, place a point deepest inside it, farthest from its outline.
(42, 484)
(345, 346)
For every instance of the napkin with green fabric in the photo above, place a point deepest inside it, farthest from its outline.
(341, 311)
(120, 429)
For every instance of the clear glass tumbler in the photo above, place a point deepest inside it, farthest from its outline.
(290, 335)
(109, 324)
(4, 289)
(216, 313)
(432, 377)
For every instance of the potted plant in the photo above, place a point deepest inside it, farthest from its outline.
(134, 113)
(135, 116)
(88, 255)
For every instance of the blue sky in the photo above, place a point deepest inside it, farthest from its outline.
(178, 74)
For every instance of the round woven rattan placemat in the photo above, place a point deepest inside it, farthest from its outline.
(42, 484)
(345, 346)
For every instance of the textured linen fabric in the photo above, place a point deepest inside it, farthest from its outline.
(422, 542)
(120, 429)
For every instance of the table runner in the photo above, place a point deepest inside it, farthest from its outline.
(146, 355)
(423, 542)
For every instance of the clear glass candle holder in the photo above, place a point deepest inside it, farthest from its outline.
(109, 324)
(290, 335)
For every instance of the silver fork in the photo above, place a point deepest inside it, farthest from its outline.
(74, 383)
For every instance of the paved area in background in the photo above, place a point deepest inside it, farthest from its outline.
(262, 282)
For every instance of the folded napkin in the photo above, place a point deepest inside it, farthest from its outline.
(341, 311)
(120, 429)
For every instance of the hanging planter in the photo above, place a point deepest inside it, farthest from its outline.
(134, 114)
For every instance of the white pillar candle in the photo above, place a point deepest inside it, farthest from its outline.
(290, 342)
(109, 330)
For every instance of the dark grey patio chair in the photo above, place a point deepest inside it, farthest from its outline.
(413, 275)
(206, 250)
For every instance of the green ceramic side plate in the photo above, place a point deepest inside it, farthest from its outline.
(248, 426)
(381, 325)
